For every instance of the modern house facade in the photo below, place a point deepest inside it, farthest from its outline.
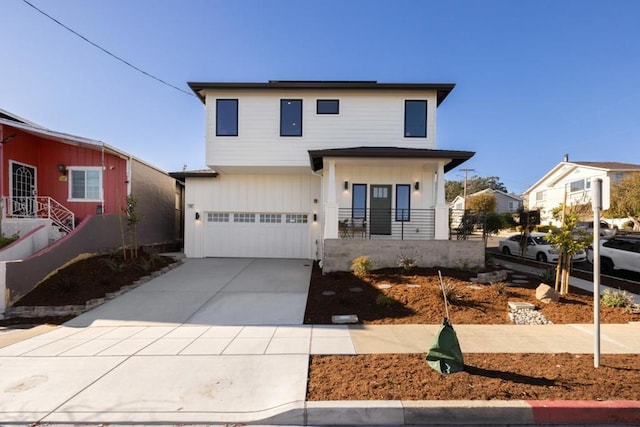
(295, 165)
(573, 179)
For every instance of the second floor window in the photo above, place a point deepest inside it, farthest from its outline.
(291, 117)
(85, 184)
(226, 117)
(415, 119)
(328, 106)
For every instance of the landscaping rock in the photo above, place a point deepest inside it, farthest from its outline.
(546, 294)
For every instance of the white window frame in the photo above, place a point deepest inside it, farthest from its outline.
(85, 169)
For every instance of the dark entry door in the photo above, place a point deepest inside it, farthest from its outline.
(381, 209)
(23, 190)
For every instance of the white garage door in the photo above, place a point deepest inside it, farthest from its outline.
(257, 235)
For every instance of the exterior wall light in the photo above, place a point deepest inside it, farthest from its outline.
(62, 169)
(416, 186)
(315, 217)
(346, 185)
(197, 216)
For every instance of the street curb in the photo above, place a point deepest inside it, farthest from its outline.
(435, 412)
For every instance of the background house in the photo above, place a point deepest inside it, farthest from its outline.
(64, 195)
(505, 202)
(300, 165)
(574, 179)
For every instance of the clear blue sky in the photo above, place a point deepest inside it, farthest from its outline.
(535, 79)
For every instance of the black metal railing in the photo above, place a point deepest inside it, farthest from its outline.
(392, 224)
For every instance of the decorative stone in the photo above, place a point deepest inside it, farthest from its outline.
(356, 289)
(546, 293)
(328, 293)
(384, 286)
(519, 281)
(475, 287)
(518, 276)
(344, 318)
(515, 305)
(412, 285)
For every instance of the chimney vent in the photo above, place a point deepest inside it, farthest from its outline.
(566, 157)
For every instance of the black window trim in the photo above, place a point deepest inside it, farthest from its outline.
(401, 218)
(353, 194)
(217, 121)
(426, 112)
(318, 101)
(301, 107)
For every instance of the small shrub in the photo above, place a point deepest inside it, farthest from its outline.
(407, 261)
(498, 288)
(617, 299)
(548, 276)
(6, 241)
(450, 291)
(146, 264)
(384, 300)
(114, 264)
(362, 266)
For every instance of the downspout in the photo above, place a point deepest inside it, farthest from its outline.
(103, 179)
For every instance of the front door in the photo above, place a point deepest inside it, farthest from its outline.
(23, 190)
(381, 209)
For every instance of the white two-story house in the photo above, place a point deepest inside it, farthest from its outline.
(573, 180)
(296, 163)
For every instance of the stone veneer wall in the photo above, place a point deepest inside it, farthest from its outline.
(339, 253)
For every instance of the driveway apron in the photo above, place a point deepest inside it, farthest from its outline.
(215, 340)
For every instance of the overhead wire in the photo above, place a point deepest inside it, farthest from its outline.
(107, 52)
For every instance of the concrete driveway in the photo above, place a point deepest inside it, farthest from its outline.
(215, 340)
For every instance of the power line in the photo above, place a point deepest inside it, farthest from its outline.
(107, 52)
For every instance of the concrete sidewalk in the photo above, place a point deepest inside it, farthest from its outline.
(223, 341)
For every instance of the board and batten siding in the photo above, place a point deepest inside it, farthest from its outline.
(372, 118)
(255, 193)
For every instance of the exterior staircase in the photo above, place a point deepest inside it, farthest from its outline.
(43, 207)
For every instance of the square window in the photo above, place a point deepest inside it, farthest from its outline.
(327, 106)
(291, 117)
(415, 119)
(226, 117)
(85, 184)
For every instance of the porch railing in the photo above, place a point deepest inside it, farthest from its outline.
(391, 224)
(40, 207)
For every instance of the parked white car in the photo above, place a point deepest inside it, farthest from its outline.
(537, 247)
(618, 253)
(605, 228)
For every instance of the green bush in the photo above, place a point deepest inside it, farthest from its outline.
(6, 241)
(362, 266)
(617, 299)
(384, 300)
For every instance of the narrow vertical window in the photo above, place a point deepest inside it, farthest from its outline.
(359, 201)
(415, 119)
(291, 117)
(226, 117)
(403, 202)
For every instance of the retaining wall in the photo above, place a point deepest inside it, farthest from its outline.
(339, 253)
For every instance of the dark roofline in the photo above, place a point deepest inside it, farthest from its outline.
(457, 157)
(443, 89)
(194, 174)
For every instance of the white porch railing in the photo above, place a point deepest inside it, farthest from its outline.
(40, 207)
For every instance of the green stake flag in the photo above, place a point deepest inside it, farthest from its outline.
(444, 354)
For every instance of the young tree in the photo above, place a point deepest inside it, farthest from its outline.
(569, 242)
(482, 202)
(625, 200)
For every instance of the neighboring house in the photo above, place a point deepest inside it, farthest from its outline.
(504, 202)
(64, 195)
(297, 164)
(575, 180)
